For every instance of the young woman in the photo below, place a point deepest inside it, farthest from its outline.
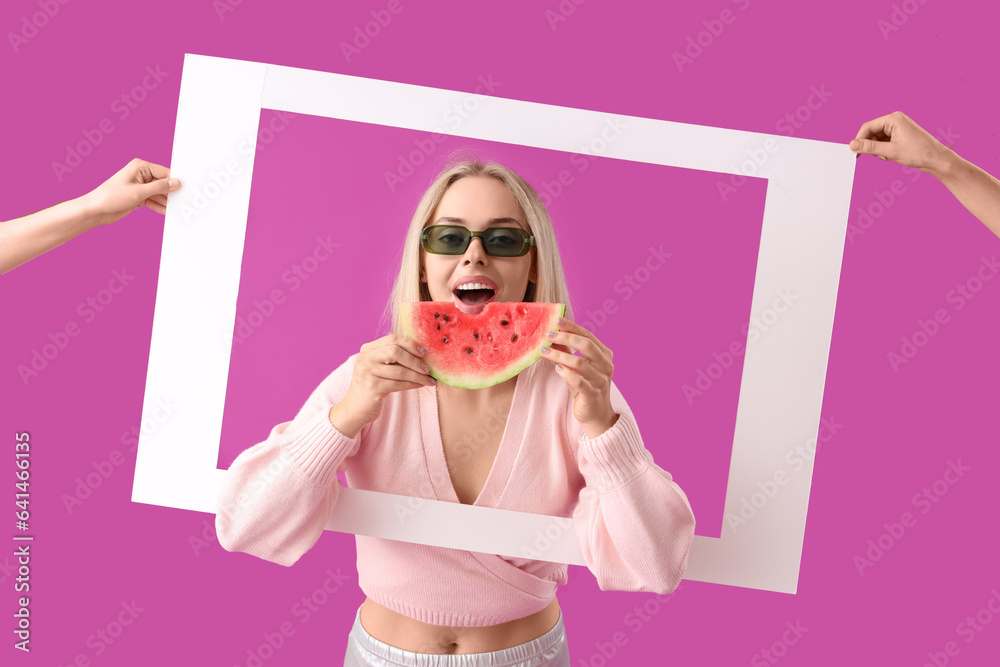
(560, 440)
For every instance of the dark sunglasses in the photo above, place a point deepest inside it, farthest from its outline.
(455, 240)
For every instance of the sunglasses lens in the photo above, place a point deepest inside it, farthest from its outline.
(503, 242)
(448, 240)
(498, 241)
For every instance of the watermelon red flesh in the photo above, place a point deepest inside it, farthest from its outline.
(476, 351)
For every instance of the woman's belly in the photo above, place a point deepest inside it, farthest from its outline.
(408, 634)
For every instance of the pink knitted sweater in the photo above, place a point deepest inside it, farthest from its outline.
(635, 524)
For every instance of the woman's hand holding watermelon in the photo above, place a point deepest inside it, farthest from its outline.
(588, 376)
(391, 363)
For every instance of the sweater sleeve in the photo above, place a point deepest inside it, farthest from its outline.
(634, 523)
(277, 496)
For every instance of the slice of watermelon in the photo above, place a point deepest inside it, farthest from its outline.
(476, 351)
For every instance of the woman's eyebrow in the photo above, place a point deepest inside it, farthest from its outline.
(494, 221)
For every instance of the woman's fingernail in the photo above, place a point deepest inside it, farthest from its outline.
(545, 350)
(562, 321)
(426, 367)
(551, 334)
(432, 380)
(173, 183)
(421, 350)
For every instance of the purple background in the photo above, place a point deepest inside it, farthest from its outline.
(899, 428)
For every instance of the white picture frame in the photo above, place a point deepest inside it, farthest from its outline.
(781, 390)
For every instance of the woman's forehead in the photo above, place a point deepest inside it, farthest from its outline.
(479, 201)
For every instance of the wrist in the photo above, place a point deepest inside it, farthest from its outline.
(946, 166)
(90, 212)
(597, 428)
(343, 422)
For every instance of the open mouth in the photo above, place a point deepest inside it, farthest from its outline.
(472, 301)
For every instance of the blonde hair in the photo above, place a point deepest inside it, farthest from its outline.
(550, 285)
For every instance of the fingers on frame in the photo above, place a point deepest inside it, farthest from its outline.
(876, 128)
(156, 170)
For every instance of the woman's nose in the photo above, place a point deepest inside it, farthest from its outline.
(479, 252)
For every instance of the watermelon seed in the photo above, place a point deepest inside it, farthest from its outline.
(445, 318)
(503, 323)
(444, 340)
(476, 335)
(468, 350)
(439, 327)
(437, 315)
(513, 338)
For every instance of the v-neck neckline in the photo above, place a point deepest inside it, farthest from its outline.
(503, 462)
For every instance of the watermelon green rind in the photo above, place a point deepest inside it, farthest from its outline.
(474, 378)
